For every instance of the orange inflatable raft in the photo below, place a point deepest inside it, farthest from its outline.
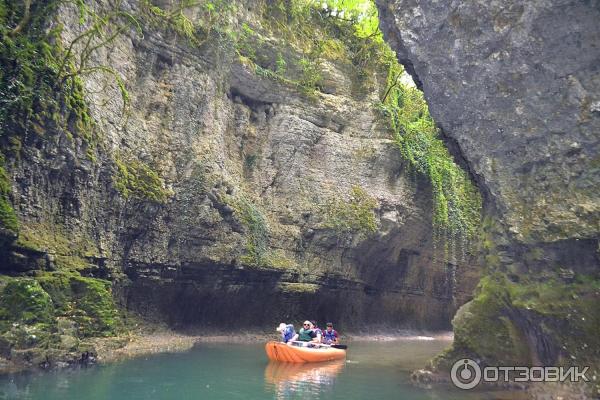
(277, 351)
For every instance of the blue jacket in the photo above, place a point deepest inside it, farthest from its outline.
(329, 337)
(288, 333)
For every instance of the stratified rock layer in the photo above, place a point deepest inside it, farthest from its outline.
(515, 87)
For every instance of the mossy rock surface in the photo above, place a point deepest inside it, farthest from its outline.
(136, 179)
(8, 218)
(87, 301)
(25, 301)
(26, 313)
(50, 309)
(510, 323)
(486, 317)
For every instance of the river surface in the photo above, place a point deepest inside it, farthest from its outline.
(373, 370)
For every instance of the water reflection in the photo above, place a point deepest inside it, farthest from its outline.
(292, 380)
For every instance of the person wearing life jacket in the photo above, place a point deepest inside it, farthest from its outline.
(306, 333)
(287, 332)
(318, 332)
(330, 335)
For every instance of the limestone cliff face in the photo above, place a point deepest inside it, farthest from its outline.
(224, 198)
(516, 88)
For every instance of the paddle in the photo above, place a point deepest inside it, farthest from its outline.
(339, 346)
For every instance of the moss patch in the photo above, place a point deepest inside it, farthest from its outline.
(483, 327)
(69, 252)
(257, 242)
(8, 218)
(25, 301)
(26, 313)
(353, 215)
(135, 179)
(258, 253)
(31, 308)
(292, 287)
(492, 326)
(94, 307)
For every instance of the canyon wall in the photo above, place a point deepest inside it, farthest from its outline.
(216, 197)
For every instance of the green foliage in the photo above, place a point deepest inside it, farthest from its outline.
(281, 65)
(258, 253)
(24, 301)
(348, 30)
(311, 76)
(8, 218)
(457, 202)
(353, 215)
(314, 35)
(40, 80)
(361, 13)
(27, 62)
(257, 245)
(135, 179)
(68, 250)
(210, 16)
(245, 43)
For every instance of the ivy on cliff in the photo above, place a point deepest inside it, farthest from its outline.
(41, 89)
(457, 202)
(348, 30)
(258, 252)
(41, 92)
(40, 79)
(306, 33)
(210, 16)
(8, 218)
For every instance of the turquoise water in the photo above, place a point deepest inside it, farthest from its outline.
(373, 370)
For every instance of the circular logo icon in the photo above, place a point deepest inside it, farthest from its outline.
(465, 374)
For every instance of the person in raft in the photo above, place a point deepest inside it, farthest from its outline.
(318, 332)
(287, 332)
(306, 333)
(330, 335)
